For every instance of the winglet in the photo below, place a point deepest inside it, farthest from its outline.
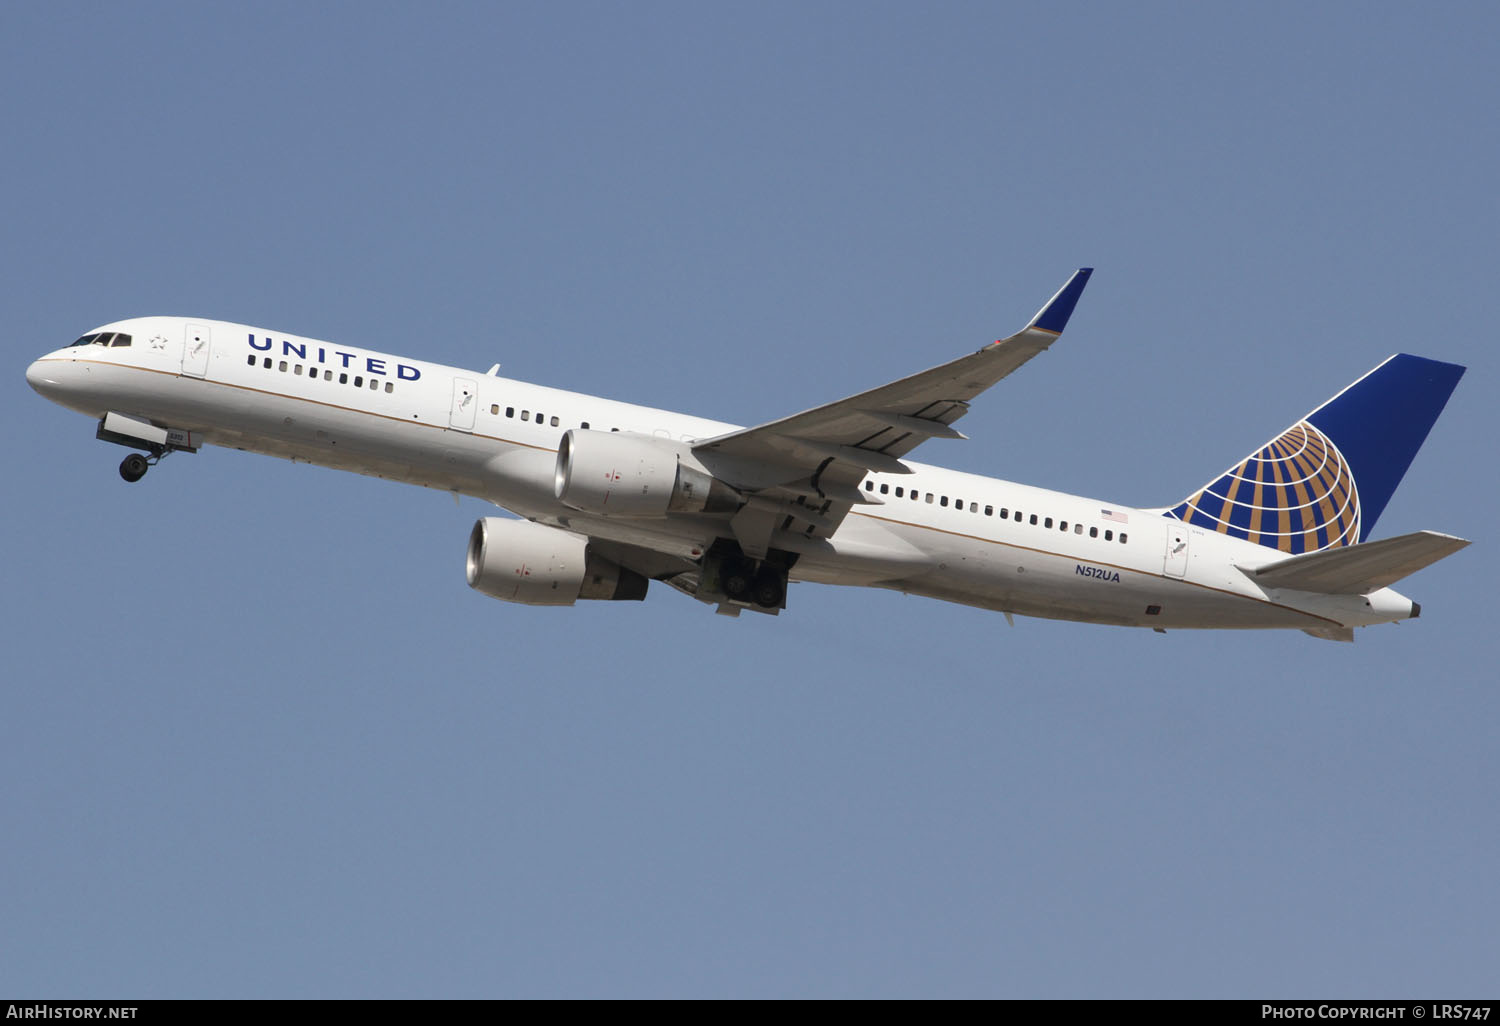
(1054, 316)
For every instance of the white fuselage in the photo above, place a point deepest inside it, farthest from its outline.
(963, 538)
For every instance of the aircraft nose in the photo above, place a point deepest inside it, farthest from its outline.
(49, 378)
(36, 376)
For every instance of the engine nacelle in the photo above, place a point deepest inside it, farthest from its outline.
(518, 561)
(618, 475)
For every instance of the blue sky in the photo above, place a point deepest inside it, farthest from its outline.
(261, 741)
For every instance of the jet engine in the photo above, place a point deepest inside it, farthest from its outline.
(612, 474)
(537, 565)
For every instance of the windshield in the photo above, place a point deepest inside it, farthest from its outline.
(114, 339)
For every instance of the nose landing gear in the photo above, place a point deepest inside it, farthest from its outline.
(122, 429)
(134, 466)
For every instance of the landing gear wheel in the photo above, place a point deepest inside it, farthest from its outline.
(768, 589)
(134, 467)
(734, 578)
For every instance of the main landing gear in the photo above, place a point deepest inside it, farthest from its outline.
(730, 575)
(742, 581)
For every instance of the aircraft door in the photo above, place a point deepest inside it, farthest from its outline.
(195, 346)
(1176, 560)
(465, 402)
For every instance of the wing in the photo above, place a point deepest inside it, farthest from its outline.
(805, 469)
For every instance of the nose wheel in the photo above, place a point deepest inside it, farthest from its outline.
(134, 466)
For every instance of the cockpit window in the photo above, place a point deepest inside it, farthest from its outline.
(112, 339)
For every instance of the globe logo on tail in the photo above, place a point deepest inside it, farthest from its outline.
(1296, 495)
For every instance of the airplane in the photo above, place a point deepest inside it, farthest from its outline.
(609, 496)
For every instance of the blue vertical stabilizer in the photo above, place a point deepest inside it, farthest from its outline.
(1324, 481)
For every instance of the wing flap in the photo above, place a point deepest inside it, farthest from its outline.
(1330, 633)
(1357, 569)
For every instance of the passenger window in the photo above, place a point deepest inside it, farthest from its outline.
(869, 486)
(584, 425)
(328, 375)
(343, 378)
(252, 357)
(943, 503)
(1122, 537)
(1005, 515)
(1047, 523)
(1033, 520)
(973, 507)
(525, 414)
(1093, 532)
(495, 410)
(929, 499)
(1077, 528)
(1063, 526)
(374, 385)
(900, 492)
(541, 418)
(282, 368)
(267, 363)
(359, 381)
(989, 511)
(1109, 536)
(390, 386)
(510, 411)
(297, 370)
(554, 422)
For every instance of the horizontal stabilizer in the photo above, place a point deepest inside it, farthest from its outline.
(1357, 569)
